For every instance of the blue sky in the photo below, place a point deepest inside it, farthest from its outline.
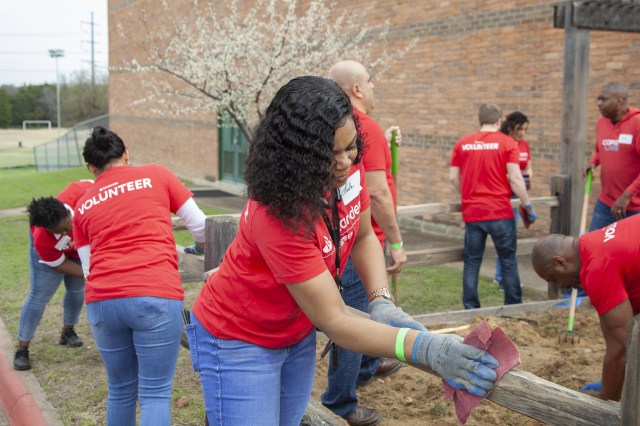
(29, 28)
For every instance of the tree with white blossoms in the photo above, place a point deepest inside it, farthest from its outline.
(233, 63)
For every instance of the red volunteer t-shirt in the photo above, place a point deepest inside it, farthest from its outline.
(525, 154)
(484, 188)
(610, 271)
(52, 248)
(617, 151)
(247, 298)
(376, 157)
(126, 218)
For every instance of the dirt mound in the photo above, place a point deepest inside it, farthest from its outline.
(412, 397)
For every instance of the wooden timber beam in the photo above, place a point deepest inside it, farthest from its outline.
(435, 208)
(191, 263)
(631, 389)
(603, 15)
(438, 256)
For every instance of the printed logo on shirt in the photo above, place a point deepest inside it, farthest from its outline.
(328, 245)
(625, 139)
(610, 145)
(113, 190)
(480, 146)
(350, 190)
(64, 243)
(524, 156)
(610, 232)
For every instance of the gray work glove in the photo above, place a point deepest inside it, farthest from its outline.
(384, 311)
(461, 365)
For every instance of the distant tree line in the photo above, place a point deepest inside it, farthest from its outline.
(79, 100)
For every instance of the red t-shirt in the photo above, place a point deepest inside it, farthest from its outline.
(617, 151)
(126, 219)
(525, 154)
(247, 298)
(610, 271)
(484, 188)
(52, 248)
(376, 157)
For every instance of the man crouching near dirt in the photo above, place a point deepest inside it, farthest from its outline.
(607, 263)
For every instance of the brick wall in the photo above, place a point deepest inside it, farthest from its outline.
(469, 52)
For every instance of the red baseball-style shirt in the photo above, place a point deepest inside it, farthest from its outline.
(53, 248)
(126, 219)
(247, 298)
(610, 271)
(484, 188)
(376, 157)
(617, 151)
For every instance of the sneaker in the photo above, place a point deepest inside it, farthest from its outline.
(364, 416)
(21, 359)
(69, 337)
(194, 249)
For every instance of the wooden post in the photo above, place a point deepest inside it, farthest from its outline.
(631, 392)
(574, 106)
(560, 216)
(219, 231)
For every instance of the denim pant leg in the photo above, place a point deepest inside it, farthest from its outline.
(601, 216)
(73, 298)
(138, 339)
(348, 368)
(246, 384)
(43, 284)
(498, 275)
(503, 234)
(475, 238)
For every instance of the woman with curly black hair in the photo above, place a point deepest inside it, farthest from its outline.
(252, 334)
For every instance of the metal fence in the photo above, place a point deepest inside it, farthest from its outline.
(66, 151)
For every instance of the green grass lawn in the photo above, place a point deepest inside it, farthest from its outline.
(19, 157)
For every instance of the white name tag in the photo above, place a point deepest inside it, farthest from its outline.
(63, 243)
(350, 190)
(625, 139)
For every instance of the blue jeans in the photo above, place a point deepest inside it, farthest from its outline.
(503, 234)
(138, 339)
(602, 216)
(348, 368)
(246, 384)
(44, 282)
(498, 276)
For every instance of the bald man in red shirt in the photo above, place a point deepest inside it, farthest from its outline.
(605, 264)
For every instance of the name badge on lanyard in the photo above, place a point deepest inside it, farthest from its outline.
(350, 190)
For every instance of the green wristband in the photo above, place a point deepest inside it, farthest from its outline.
(402, 333)
(396, 245)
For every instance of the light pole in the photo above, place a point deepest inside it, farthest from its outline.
(55, 54)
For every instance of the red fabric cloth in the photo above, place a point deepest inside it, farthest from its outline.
(617, 151)
(498, 345)
(126, 218)
(610, 270)
(525, 154)
(247, 298)
(46, 243)
(484, 188)
(376, 157)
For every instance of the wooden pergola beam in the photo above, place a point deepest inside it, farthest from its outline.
(601, 15)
